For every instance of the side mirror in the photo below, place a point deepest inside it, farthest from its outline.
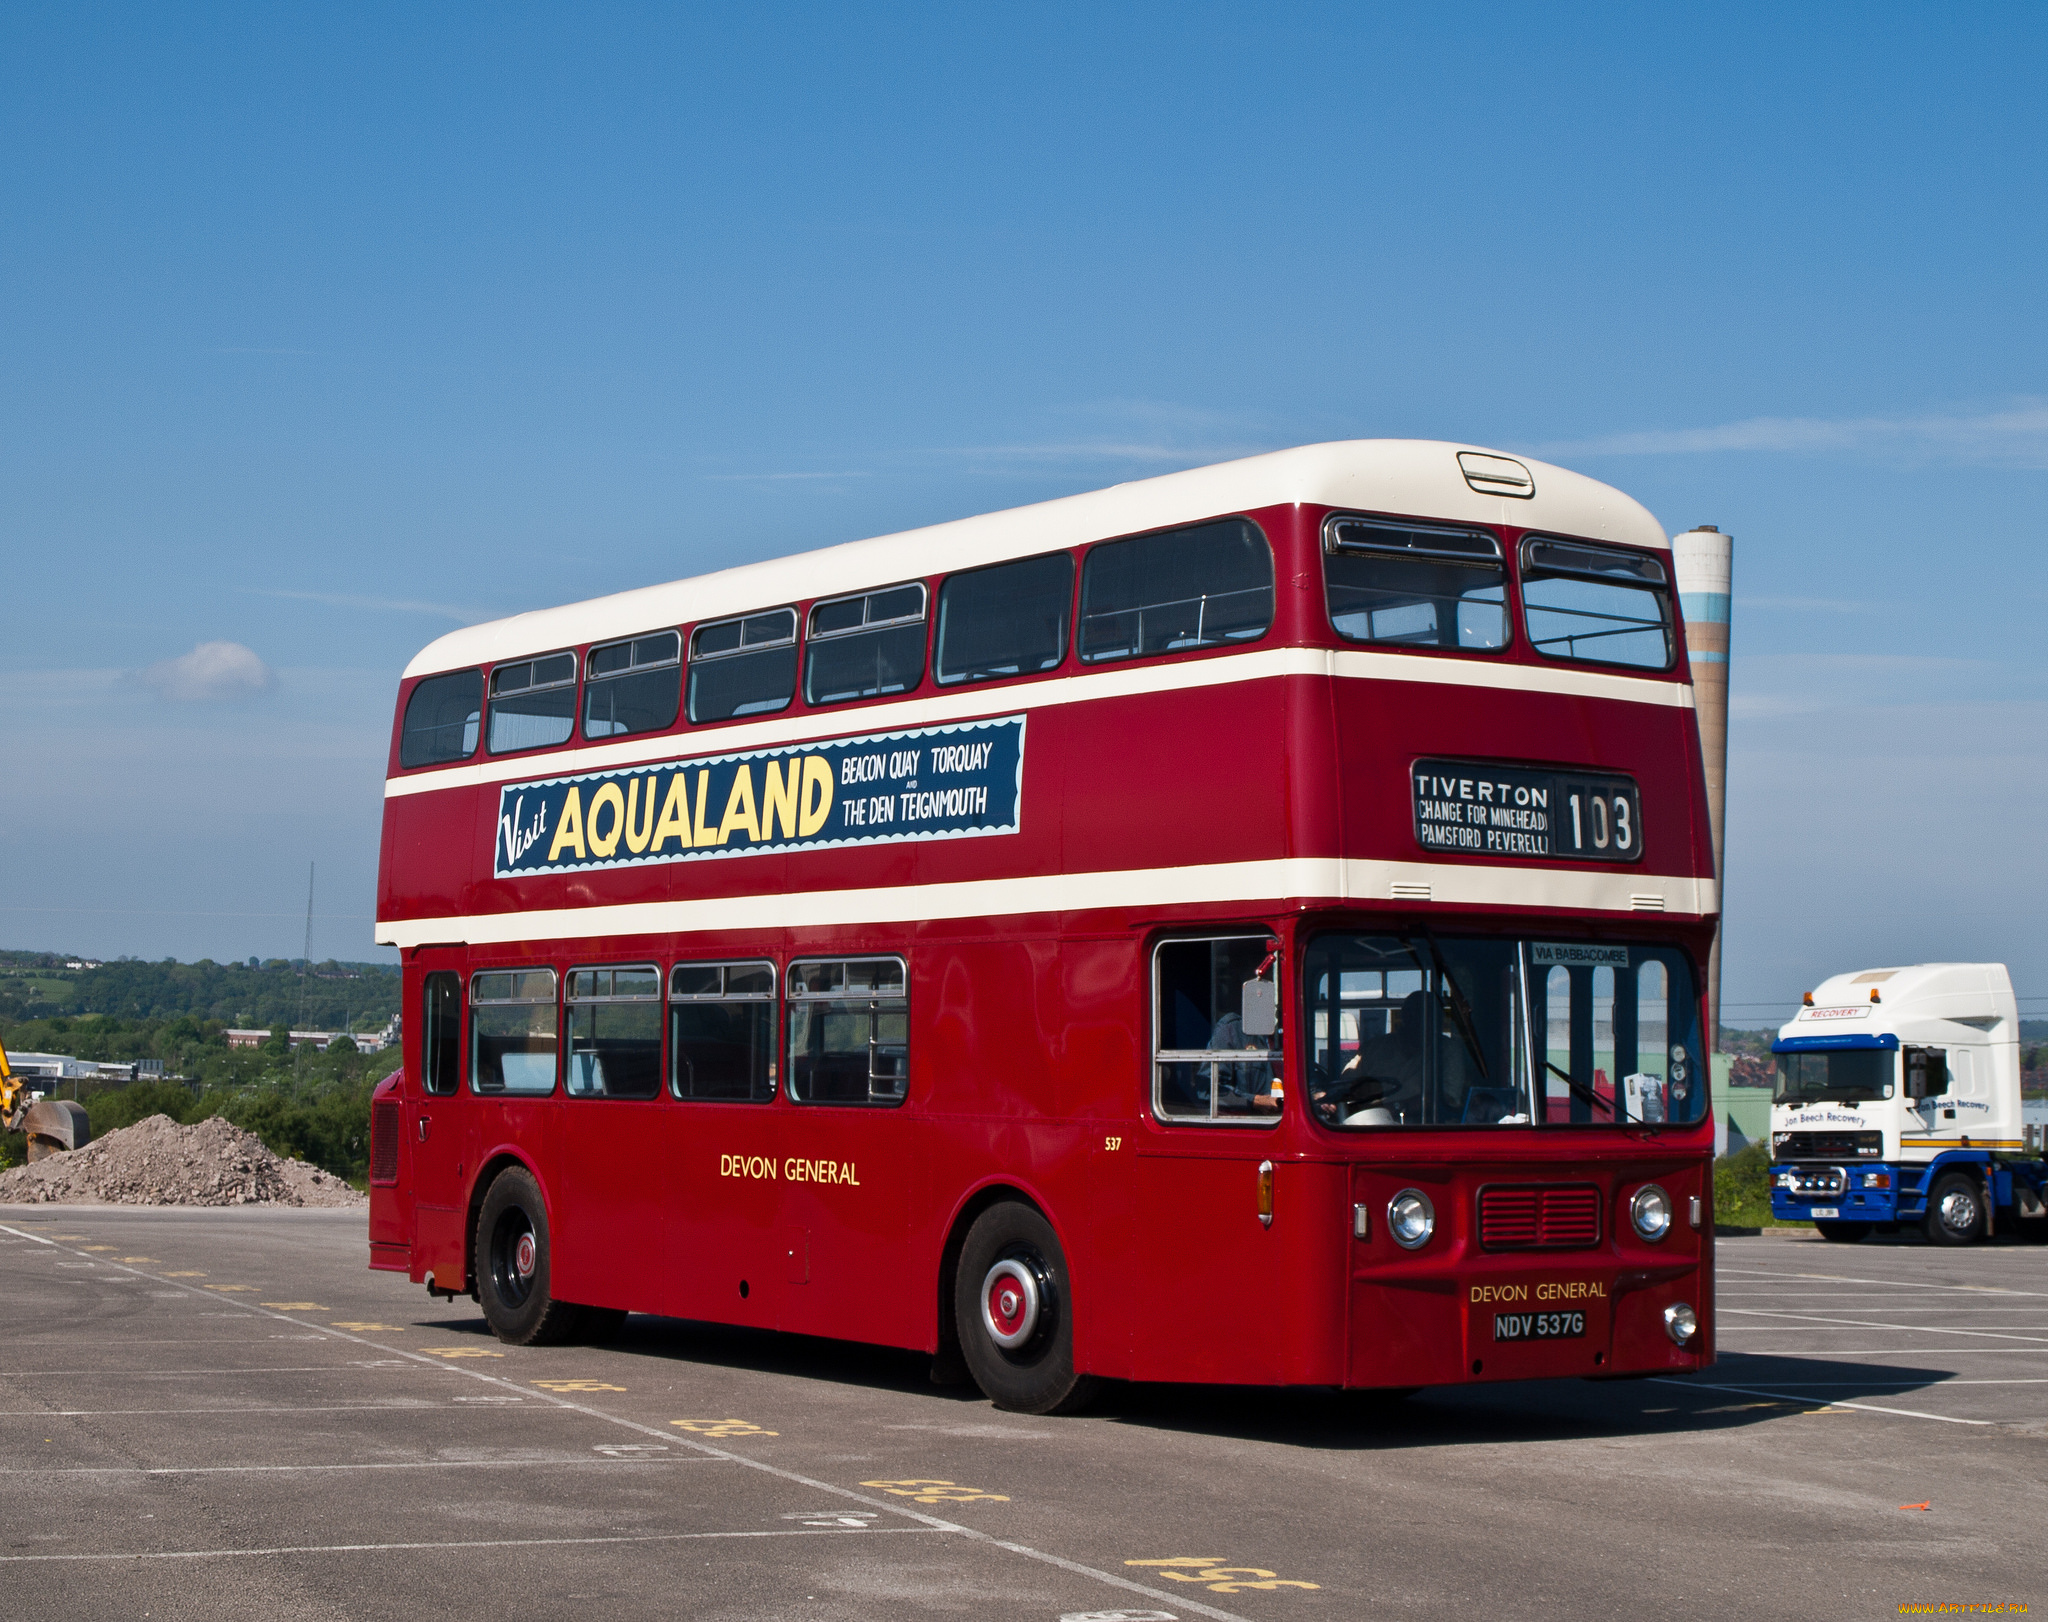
(1259, 1008)
(1926, 1072)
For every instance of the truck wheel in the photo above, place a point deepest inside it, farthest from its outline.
(512, 1265)
(1012, 1305)
(1843, 1233)
(1955, 1210)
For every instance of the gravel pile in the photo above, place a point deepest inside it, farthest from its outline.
(158, 1162)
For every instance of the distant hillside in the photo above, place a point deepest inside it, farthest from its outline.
(38, 985)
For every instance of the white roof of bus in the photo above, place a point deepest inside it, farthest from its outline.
(1413, 477)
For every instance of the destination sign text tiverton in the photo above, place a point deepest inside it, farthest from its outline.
(1477, 808)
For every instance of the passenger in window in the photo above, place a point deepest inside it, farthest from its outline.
(1242, 1087)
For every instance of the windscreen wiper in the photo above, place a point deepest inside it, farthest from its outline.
(1578, 1087)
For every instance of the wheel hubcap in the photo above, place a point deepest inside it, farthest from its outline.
(1011, 1302)
(522, 1255)
(515, 1255)
(1958, 1211)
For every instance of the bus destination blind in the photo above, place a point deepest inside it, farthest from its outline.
(1476, 808)
(944, 782)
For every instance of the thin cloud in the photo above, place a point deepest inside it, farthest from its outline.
(2016, 436)
(212, 673)
(765, 476)
(381, 605)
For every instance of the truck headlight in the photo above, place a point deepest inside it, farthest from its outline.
(1650, 1211)
(1411, 1219)
(1681, 1323)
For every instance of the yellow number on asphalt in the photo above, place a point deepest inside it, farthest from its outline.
(576, 1385)
(295, 1306)
(229, 1286)
(937, 1492)
(363, 1328)
(184, 1275)
(723, 1427)
(1217, 1577)
(460, 1351)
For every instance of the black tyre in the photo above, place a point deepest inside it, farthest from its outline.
(1014, 1311)
(512, 1265)
(1955, 1210)
(1843, 1233)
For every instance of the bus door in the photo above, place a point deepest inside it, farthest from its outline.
(726, 1256)
(609, 1211)
(439, 1123)
(847, 1152)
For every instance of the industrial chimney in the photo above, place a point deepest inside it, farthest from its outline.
(1705, 560)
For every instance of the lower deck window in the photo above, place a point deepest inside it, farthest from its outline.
(849, 1031)
(612, 1047)
(513, 1029)
(1216, 1029)
(722, 1031)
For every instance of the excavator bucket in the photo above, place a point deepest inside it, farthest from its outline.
(53, 1124)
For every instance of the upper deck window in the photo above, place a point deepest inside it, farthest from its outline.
(1421, 585)
(865, 647)
(441, 719)
(1010, 620)
(533, 703)
(613, 1042)
(633, 686)
(744, 666)
(1175, 591)
(1596, 604)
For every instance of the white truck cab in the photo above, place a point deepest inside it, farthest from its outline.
(1898, 1101)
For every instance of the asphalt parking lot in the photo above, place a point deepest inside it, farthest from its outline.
(218, 1414)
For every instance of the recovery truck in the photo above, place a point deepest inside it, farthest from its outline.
(52, 1124)
(1898, 1103)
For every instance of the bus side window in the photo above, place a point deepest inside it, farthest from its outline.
(744, 666)
(849, 1031)
(722, 1031)
(1177, 590)
(1201, 1034)
(1010, 620)
(533, 703)
(612, 1033)
(441, 719)
(512, 1029)
(633, 686)
(865, 647)
(441, 1033)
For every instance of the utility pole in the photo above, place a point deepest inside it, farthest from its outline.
(305, 969)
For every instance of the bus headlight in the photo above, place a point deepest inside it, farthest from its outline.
(1411, 1219)
(1650, 1211)
(1681, 1323)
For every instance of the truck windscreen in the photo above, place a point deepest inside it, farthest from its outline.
(1851, 1077)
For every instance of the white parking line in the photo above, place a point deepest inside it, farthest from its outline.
(1860, 1407)
(314, 1469)
(1863, 1323)
(419, 1406)
(481, 1543)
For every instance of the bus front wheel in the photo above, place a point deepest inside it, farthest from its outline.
(513, 1265)
(1955, 1210)
(1011, 1303)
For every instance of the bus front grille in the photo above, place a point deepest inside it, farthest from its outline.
(1540, 1217)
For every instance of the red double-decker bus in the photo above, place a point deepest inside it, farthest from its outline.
(1240, 926)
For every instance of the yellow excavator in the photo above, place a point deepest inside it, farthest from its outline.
(52, 1124)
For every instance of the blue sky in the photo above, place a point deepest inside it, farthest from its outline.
(327, 332)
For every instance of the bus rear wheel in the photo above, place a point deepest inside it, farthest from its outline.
(1012, 1305)
(1843, 1233)
(512, 1264)
(1955, 1210)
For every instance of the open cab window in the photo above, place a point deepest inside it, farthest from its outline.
(1217, 1053)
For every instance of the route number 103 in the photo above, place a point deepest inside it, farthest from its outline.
(1601, 821)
